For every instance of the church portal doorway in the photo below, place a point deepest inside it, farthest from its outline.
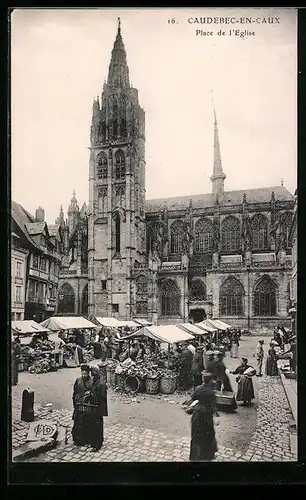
(197, 315)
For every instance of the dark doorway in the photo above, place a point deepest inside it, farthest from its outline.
(197, 315)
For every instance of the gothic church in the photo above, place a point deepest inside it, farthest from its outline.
(225, 254)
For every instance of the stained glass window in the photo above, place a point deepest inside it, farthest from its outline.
(259, 231)
(197, 290)
(177, 233)
(203, 236)
(170, 298)
(230, 234)
(265, 298)
(231, 298)
(119, 164)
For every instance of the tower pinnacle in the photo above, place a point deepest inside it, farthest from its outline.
(218, 176)
(118, 73)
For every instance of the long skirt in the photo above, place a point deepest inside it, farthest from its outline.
(271, 367)
(81, 430)
(197, 379)
(76, 356)
(234, 351)
(203, 445)
(205, 359)
(96, 435)
(14, 372)
(245, 391)
(225, 383)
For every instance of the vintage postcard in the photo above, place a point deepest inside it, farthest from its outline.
(154, 235)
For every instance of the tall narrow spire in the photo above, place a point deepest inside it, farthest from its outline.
(118, 73)
(218, 176)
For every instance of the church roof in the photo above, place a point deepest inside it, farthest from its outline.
(230, 198)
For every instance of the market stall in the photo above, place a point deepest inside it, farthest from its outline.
(222, 325)
(154, 372)
(24, 332)
(27, 327)
(77, 334)
(193, 329)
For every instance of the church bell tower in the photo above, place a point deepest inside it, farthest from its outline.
(116, 224)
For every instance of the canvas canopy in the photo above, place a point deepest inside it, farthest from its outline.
(56, 323)
(130, 324)
(168, 334)
(109, 322)
(143, 322)
(206, 326)
(191, 328)
(222, 324)
(27, 327)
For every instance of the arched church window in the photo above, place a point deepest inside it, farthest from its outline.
(102, 167)
(119, 165)
(265, 298)
(203, 236)
(141, 285)
(231, 298)
(197, 290)
(170, 298)
(66, 299)
(177, 234)
(230, 234)
(259, 231)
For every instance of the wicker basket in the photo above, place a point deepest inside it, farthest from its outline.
(168, 385)
(152, 385)
(120, 378)
(224, 398)
(86, 407)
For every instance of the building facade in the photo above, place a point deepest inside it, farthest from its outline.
(42, 246)
(73, 278)
(293, 283)
(225, 254)
(18, 278)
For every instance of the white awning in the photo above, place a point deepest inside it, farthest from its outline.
(222, 324)
(143, 322)
(169, 334)
(207, 327)
(129, 324)
(27, 326)
(191, 328)
(109, 322)
(56, 323)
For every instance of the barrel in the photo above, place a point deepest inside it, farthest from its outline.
(168, 385)
(152, 385)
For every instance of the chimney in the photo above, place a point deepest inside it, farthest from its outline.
(40, 215)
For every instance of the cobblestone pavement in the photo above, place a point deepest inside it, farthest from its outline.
(136, 432)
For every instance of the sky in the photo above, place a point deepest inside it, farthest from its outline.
(60, 59)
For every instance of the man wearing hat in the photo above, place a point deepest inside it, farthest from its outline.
(197, 367)
(259, 357)
(81, 394)
(211, 364)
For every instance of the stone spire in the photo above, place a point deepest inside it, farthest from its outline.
(60, 220)
(118, 73)
(218, 176)
(73, 207)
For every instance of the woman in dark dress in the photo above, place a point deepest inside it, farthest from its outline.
(221, 377)
(98, 398)
(81, 394)
(271, 362)
(197, 367)
(15, 355)
(203, 444)
(245, 392)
